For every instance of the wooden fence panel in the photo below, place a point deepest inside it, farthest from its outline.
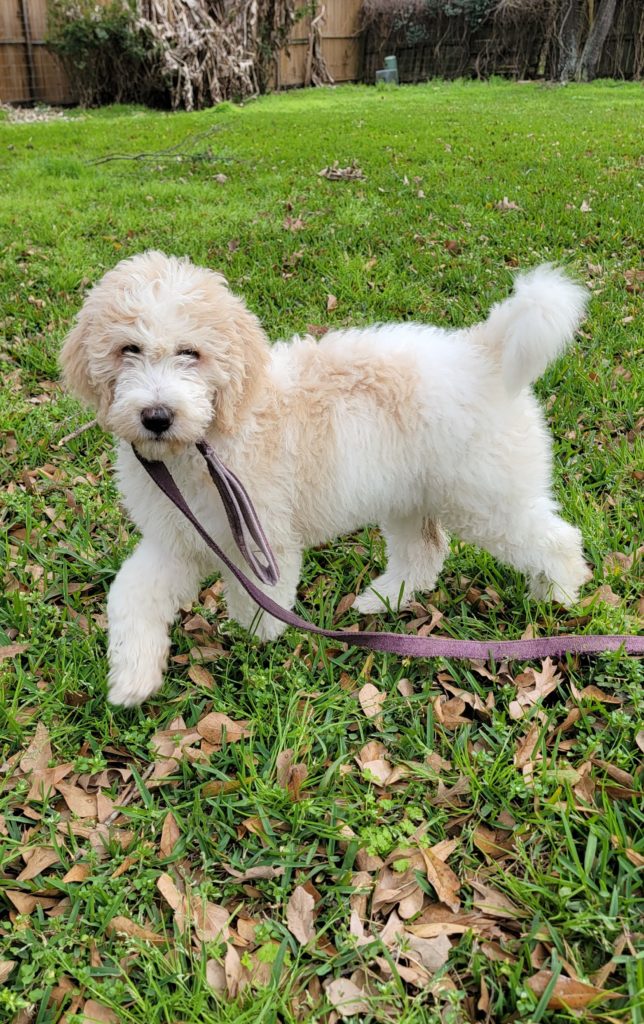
(29, 73)
(340, 45)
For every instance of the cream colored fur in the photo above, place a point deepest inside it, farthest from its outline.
(415, 428)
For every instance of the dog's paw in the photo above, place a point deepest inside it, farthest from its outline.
(129, 688)
(369, 603)
(386, 593)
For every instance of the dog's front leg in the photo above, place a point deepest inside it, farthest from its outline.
(145, 597)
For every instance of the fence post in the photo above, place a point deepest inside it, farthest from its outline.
(26, 30)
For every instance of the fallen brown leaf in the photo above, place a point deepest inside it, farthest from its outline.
(37, 860)
(371, 701)
(38, 753)
(493, 843)
(345, 997)
(299, 915)
(443, 879)
(77, 873)
(216, 976)
(123, 926)
(431, 953)
(169, 835)
(6, 967)
(233, 971)
(201, 676)
(210, 921)
(450, 712)
(526, 746)
(82, 804)
(216, 725)
(11, 650)
(97, 1013)
(567, 993)
(253, 874)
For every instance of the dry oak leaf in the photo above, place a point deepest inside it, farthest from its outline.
(216, 976)
(123, 926)
(345, 997)
(437, 919)
(568, 993)
(37, 860)
(45, 780)
(533, 686)
(96, 1013)
(293, 224)
(169, 835)
(38, 754)
(11, 650)
(6, 967)
(77, 873)
(233, 971)
(450, 712)
(261, 871)
(431, 953)
(80, 803)
(526, 746)
(443, 879)
(371, 701)
(290, 776)
(201, 676)
(215, 725)
(210, 921)
(493, 843)
(299, 915)
(373, 762)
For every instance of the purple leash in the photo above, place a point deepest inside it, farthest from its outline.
(242, 516)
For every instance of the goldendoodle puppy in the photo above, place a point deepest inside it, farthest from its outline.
(418, 429)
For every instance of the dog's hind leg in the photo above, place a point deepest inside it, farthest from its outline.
(539, 543)
(416, 549)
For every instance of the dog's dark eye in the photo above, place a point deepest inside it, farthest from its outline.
(188, 352)
(130, 350)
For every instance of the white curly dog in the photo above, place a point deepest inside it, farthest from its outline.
(415, 428)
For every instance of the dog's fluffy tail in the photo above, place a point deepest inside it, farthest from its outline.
(535, 324)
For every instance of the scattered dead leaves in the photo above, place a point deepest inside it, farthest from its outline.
(337, 173)
(505, 205)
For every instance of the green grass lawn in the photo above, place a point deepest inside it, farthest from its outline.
(450, 858)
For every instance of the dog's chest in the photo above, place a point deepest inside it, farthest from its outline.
(155, 515)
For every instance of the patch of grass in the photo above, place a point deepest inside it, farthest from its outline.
(420, 237)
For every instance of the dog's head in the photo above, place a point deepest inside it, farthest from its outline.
(163, 351)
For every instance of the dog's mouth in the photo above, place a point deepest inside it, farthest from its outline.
(158, 446)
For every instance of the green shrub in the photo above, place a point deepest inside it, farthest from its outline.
(108, 55)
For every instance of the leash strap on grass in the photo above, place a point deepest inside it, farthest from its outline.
(240, 513)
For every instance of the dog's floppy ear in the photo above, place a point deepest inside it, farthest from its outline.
(74, 361)
(247, 361)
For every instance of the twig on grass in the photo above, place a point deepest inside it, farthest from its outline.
(76, 433)
(156, 154)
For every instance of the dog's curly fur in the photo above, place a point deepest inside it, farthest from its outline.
(418, 429)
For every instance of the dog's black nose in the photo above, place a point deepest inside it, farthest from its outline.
(157, 419)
